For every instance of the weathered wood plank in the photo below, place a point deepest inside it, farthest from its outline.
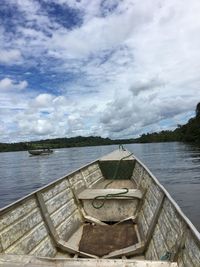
(148, 212)
(151, 253)
(137, 174)
(185, 261)
(93, 220)
(94, 176)
(78, 187)
(29, 242)
(173, 236)
(1, 248)
(159, 242)
(165, 221)
(156, 190)
(74, 178)
(44, 249)
(172, 213)
(69, 226)
(117, 155)
(96, 181)
(192, 249)
(90, 169)
(146, 180)
(49, 193)
(154, 220)
(59, 200)
(138, 234)
(63, 213)
(46, 217)
(129, 251)
(30, 261)
(65, 247)
(151, 198)
(92, 193)
(17, 213)
(20, 228)
(57, 236)
(93, 167)
(143, 225)
(112, 210)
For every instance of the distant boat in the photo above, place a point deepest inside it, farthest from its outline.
(42, 151)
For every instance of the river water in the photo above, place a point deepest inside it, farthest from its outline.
(176, 165)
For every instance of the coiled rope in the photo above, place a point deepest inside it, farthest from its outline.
(107, 196)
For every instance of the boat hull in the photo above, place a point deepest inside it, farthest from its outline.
(40, 152)
(49, 222)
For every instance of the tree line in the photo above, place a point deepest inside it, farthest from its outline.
(79, 141)
(189, 132)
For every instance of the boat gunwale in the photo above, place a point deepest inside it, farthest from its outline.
(27, 259)
(193, 229)
(173, 202)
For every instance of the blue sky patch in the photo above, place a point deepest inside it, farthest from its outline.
(64, 15)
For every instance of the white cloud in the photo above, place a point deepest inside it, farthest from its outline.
(38, 127)
(143, 86)
(10, 57)
(43, 100)
(135, 115)
(9, 84)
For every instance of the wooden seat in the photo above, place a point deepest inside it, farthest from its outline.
(115, 184)
(110, 193)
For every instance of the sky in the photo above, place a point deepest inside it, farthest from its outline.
(107, 68)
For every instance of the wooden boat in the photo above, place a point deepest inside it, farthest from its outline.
(42, 151)
(112, 212)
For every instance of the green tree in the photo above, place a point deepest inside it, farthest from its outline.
(198, 110)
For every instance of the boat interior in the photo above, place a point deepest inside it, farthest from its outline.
(110, 209)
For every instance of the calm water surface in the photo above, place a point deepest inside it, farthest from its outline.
(176, 165)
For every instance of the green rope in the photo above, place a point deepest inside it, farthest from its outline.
(117, 168)
(107, 196)
(108, 184)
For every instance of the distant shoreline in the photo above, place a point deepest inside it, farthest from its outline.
(62, 143)
(15, 147)
(189, 133)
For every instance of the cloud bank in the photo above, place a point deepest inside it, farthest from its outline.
(109, 68)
